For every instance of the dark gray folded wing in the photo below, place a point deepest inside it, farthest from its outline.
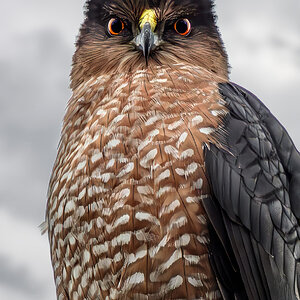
(255, 206)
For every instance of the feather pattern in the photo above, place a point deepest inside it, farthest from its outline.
(169, 182)
(252, 188)
(125, 207)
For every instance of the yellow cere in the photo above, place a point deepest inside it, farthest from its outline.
(148, 15)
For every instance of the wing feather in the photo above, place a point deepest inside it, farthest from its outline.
(256, 191)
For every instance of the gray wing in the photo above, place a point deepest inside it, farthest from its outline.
(255, 203)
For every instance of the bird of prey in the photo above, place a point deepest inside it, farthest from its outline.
(170, 181)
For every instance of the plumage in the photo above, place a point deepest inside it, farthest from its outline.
(254, 198)
(169, 182)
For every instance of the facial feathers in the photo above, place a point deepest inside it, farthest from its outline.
(100, 53)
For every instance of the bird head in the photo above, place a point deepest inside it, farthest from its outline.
(126, 35)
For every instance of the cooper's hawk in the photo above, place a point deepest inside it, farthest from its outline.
(170, 182)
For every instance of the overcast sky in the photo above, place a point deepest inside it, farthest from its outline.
(37, 41)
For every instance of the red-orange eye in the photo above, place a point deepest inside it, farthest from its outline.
(115, 26)
(183, 26)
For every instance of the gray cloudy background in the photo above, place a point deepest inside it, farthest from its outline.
(37, 41)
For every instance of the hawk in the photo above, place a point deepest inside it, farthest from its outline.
(170, 181)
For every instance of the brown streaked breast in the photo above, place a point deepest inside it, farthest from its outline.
(125, 211)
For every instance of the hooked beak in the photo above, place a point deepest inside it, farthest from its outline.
(147, 40)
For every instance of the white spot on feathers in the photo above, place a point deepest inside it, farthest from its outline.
(97, 156)
(81, 165)
(170, 208)
(173, 284)
(197, 120)
(122, 239)
(183, 241)
(113, 143)
(181, 139)
(195, 282)
(162, 176)
(76, 272)
(149, 156)
(127, 169)
(133, 280)
(186, 154)
(198, 184)
(121, 221)
(175, 125)
(207, 130)
(143, 216)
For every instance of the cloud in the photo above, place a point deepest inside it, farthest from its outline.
(17, 277)
(263, 45)
(25, 260)
(34, 92)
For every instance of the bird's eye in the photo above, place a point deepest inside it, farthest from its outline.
(115, 26)
(183, 26)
